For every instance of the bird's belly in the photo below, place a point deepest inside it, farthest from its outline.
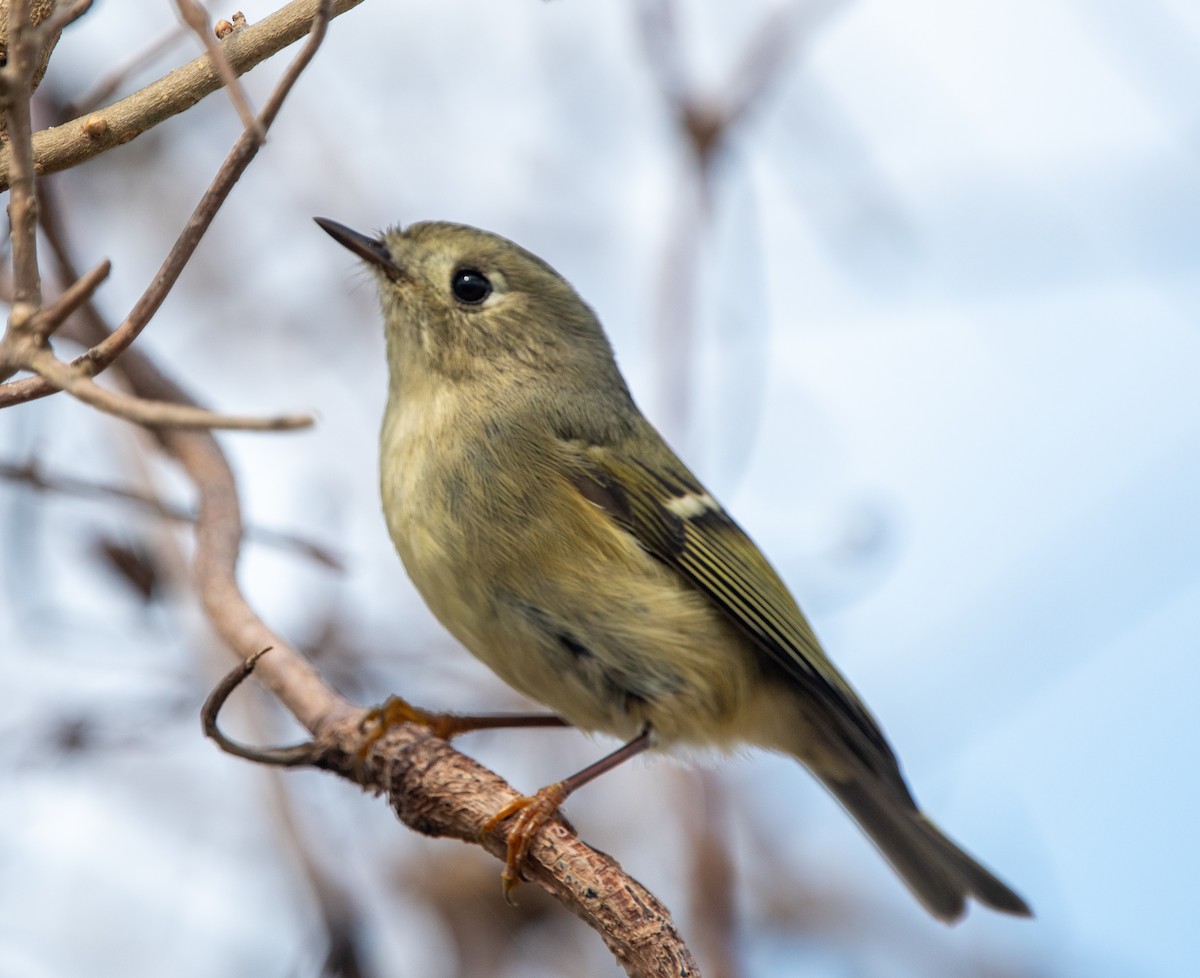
(567, 609)
(606, 650)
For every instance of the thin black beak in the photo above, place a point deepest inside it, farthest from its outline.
(370, 250)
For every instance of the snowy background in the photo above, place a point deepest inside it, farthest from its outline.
(944, 367)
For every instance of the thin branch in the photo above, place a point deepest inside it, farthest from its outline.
(32, 475)
(76, 294)
(218, 516)
(152, 414)
(712, 879)
(65, 146)
(298, 755)
(769, 52)
(104, 89)
(705, 120)
(240, 156)
(69, 377)
(196, 17)
(27, 333)
(65, 14)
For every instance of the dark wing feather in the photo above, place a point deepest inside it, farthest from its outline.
(705, 545)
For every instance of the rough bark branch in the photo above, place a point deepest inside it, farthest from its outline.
(16, 87)
(435, 790)
(49, 17)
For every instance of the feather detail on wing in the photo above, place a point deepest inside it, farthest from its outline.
(676, 521)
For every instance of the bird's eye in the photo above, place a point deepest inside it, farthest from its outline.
(470, 286)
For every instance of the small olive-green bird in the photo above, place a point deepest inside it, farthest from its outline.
(551, 529)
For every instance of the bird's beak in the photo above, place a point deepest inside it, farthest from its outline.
(371, 250)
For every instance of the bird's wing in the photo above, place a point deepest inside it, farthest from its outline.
(674, 519)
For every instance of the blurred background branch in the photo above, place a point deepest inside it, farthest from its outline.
(916, 285)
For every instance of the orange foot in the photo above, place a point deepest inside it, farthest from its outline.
(396, 711)
(534, 812)
(393, 712)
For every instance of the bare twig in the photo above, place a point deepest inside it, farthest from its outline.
(66, 146)
(32, 475)
(152, 414)
(771, 50)
(713, 882)
(218, 516)
(30, 30)
(64, 15)
(106, 86)
(26, 336)
(76, 294)
(239, 158)
(36, 356)
(196, 18)
(25, 346)
(705, 120)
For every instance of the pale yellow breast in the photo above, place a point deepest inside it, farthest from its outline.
(522, 569)
(416, 453)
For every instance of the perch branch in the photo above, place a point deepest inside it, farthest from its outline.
(435, 790)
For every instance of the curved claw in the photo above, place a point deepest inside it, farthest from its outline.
(395, 711)
(392, 712)
(533, 812)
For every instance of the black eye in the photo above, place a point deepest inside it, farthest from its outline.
(470, 286)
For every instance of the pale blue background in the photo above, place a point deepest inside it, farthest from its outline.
(946, 373)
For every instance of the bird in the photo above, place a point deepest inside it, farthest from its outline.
(554, 533)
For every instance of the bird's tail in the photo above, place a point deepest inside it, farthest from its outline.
(938, 872)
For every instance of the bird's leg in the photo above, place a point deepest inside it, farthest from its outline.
(395, 711)
(534, 811)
